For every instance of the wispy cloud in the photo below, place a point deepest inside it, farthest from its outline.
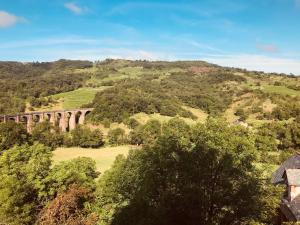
(297, 3)
(268, 48)
(98, 54)
(202, 46)
(73, 7)
(65, 41)
(199, 8)
(124, 8)
(8, 19)
(49, 42)
(257, 62)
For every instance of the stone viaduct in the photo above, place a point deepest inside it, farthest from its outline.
(65, 119)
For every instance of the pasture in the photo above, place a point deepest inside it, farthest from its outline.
(280, 90)
(104, 156)
(77, 98)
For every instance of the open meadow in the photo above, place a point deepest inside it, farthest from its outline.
(104, 157)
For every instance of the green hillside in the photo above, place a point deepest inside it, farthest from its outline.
(178, 135)
(119, 89)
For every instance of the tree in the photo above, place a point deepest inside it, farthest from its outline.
(178, 129)
(85, 138)
(69, 208)
(132, 123)
(212, 181)
(80, 171)
(28, 181)
(23, 170)
(47, 134)
(265, 142)
(11, 134)
(117, 136)
(146, 134)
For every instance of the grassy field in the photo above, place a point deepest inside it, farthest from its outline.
(144, 118)
(280, 90)
(104, 157)
(77, 98)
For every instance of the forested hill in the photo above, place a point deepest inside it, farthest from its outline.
(121, 89)
(20, 82)
(168, 122)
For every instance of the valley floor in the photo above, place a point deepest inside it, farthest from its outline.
(104, 156)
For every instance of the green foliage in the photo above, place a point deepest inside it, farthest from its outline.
(212, 180)
(11, 134)
(47, 134)
(117, 136)
(28, 182)
(242, 114)
(127, 98)
(38, 102)
(177, 129)
(77, 98)
(80, 171)
(132, 123)
(148, 95)
(287, 107)
(23, 170)
(86, 138)
(286, 134)
(20, 81)
(266, 142)
(202, 91)
(146, 134)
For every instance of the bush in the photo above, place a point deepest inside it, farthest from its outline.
(117, 136)
(242, 114)
(47, 134)
(146, 134)
(85, 138)
(132, 123)
(69, 208)
(11, 134)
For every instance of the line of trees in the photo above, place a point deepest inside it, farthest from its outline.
(12, 133)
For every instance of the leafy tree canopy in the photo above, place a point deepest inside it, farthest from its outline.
(212, 180)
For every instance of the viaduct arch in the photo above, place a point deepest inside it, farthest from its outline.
(65, 119)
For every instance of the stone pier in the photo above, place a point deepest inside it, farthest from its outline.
(66, 119)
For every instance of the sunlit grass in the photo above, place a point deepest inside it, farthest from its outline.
(280, 90)
(104, 157)
(77, 98)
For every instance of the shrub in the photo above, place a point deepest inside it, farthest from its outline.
(117, 136)
(47, 134)
(11, 134)
(132, 123)
(85, 138)
(242, 114)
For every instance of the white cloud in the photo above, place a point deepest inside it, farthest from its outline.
(70, 41)
(257, 62)
(50, 54)
(269, 48)
(8, 19)
(117, 53)
(73, 7)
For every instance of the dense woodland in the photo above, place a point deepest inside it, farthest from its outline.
(182, 175)
(20, 82)
(180, 170)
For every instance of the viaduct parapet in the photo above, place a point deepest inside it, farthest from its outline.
(65, 119)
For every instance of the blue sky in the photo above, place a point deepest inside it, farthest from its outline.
(253, 34)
